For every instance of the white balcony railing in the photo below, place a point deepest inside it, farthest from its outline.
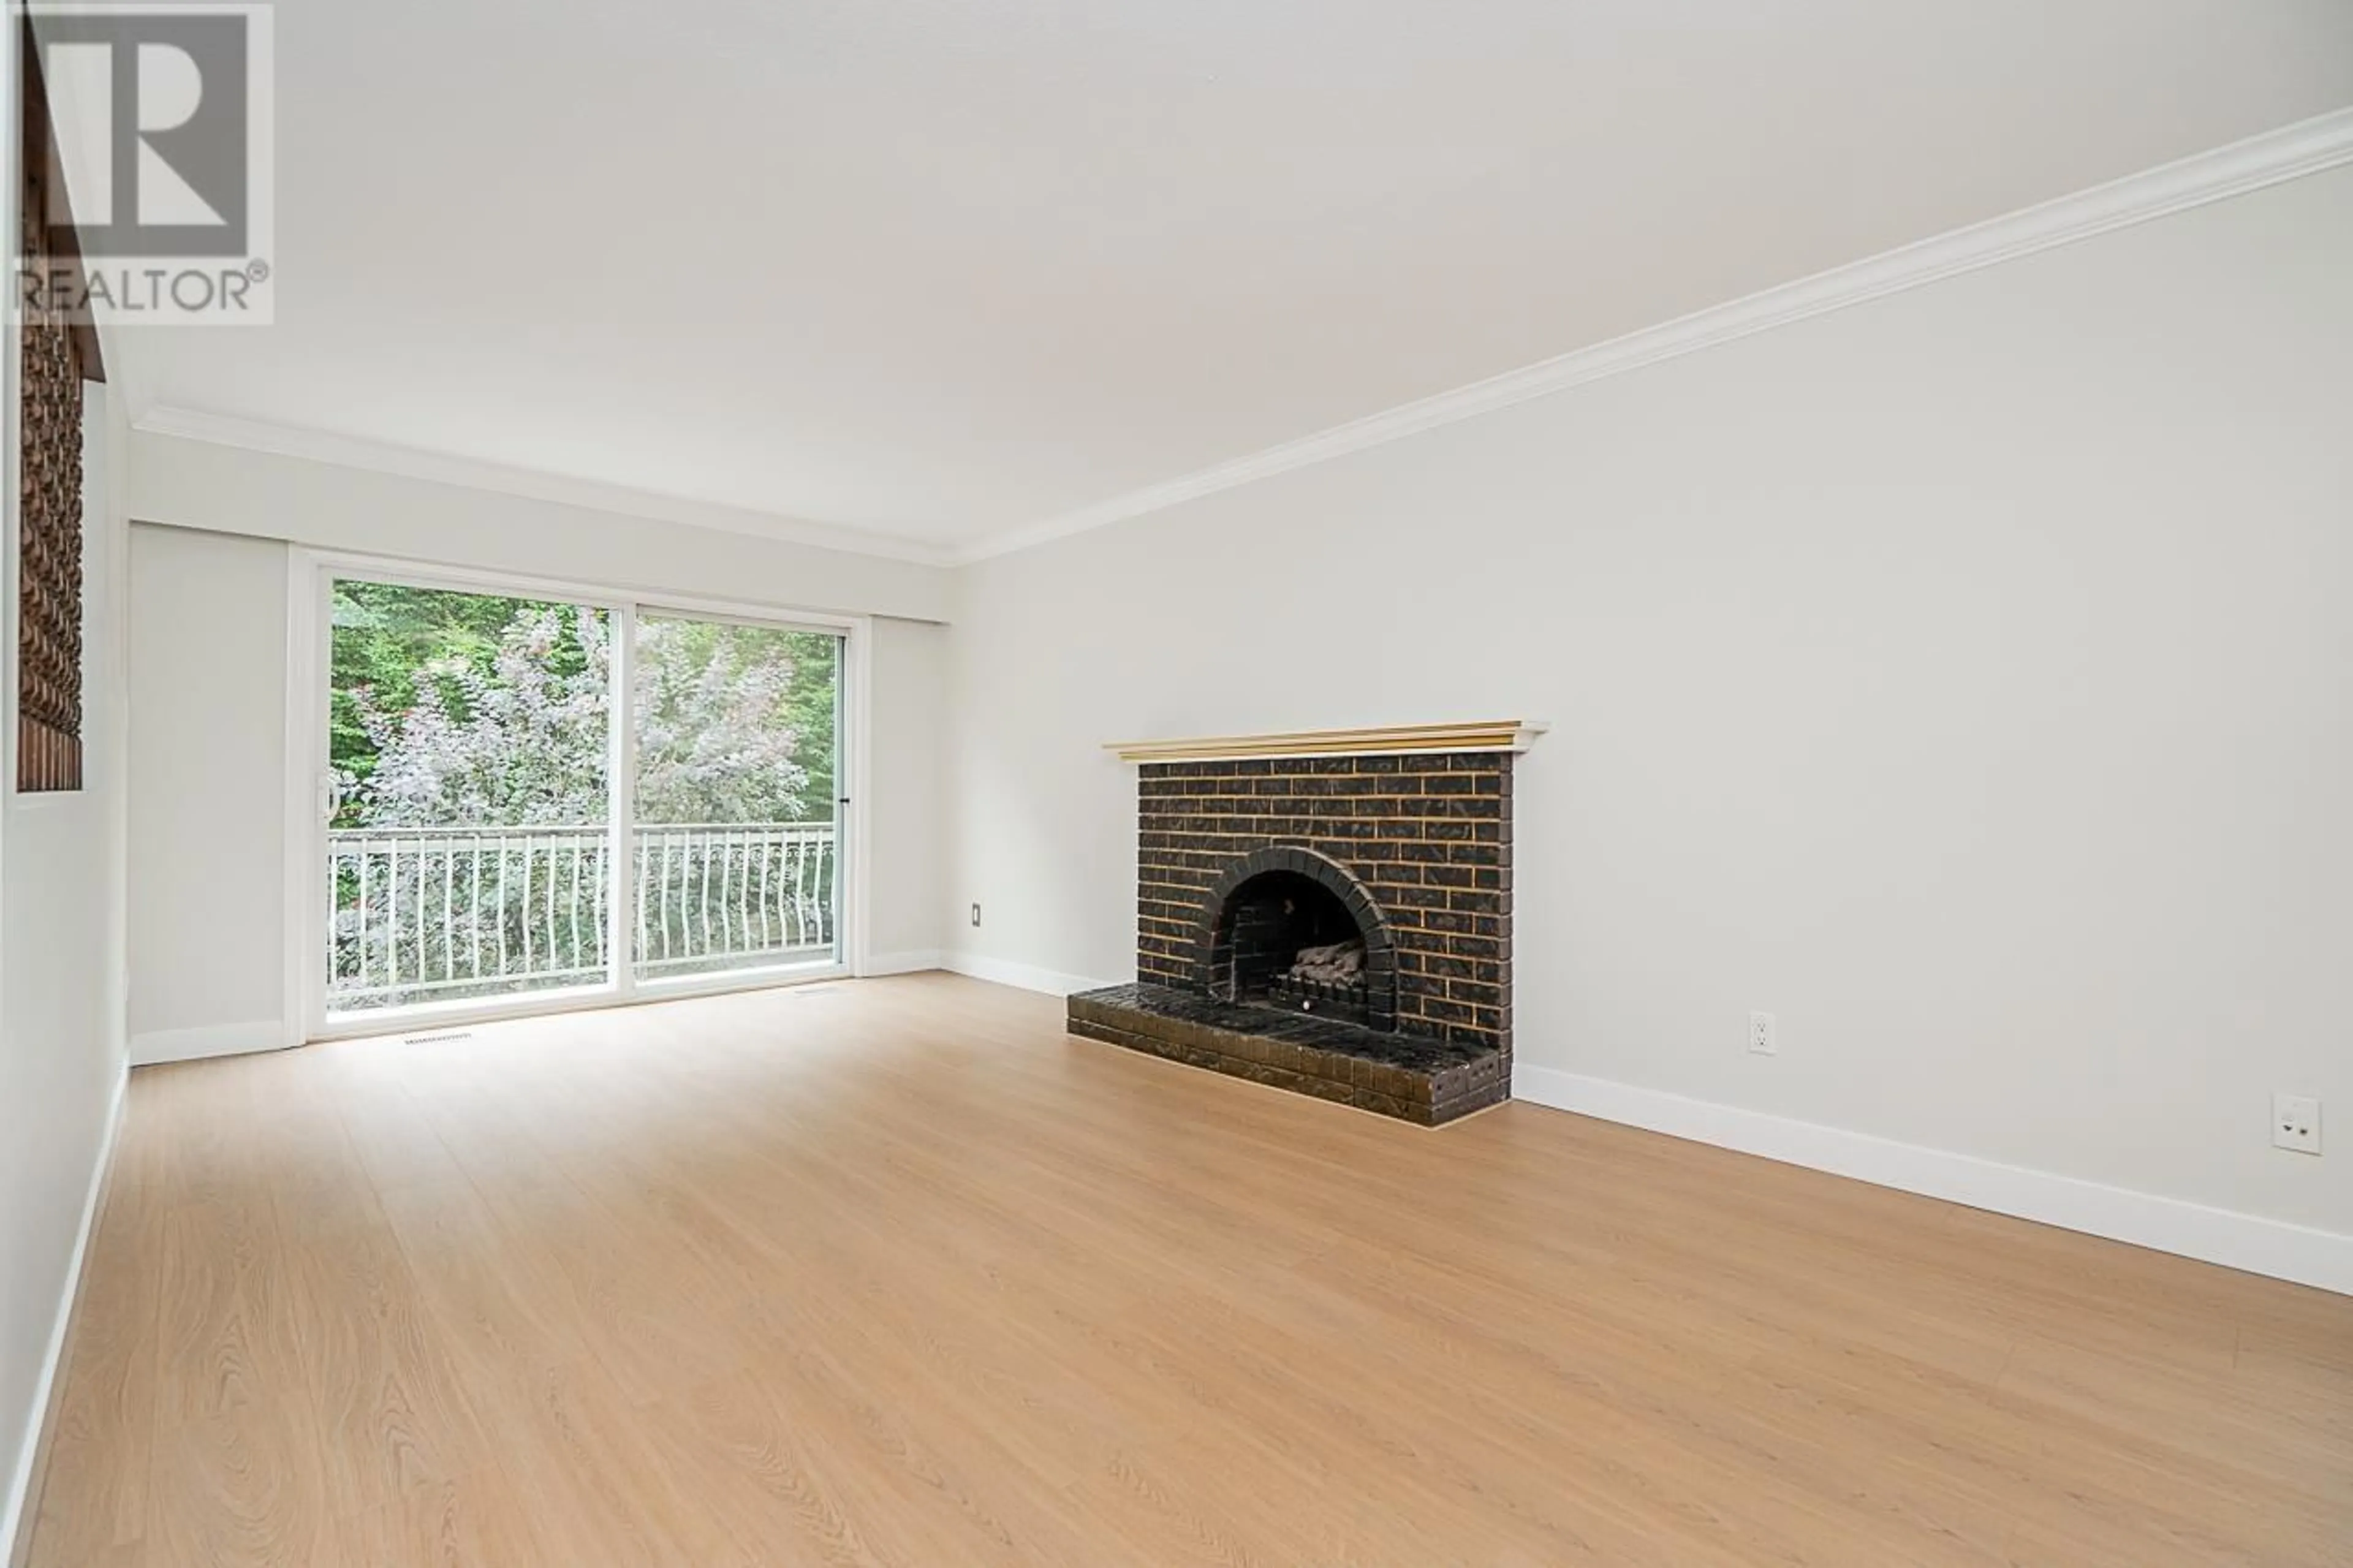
(424, 913)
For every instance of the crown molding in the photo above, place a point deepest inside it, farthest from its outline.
(532, 484)
(2291, 153)
(2306, 147)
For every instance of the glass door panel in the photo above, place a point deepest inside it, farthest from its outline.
(736, 838)
(468, 850)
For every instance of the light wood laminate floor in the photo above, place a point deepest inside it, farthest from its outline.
(894, 1272)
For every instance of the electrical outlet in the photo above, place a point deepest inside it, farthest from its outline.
(2295, 1123)
(975, 914)
(1760, 1035)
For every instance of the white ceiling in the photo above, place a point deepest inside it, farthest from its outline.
(947, 268)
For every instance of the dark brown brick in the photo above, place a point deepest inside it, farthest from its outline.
(1428, 834)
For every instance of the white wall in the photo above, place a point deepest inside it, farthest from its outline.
(208, 757)
(904, 796)
(208, 939)
(61, 924)
(198, 484)
(61, 974)
(1964, 676)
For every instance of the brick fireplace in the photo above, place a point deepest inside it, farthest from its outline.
(1327, 919)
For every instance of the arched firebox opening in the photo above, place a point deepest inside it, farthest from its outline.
(1289, 930)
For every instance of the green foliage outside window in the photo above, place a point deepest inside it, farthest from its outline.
(453, 709)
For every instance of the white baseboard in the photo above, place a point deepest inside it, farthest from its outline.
(914, 960)
(17, 1508)
(2308, 1256)
(1028, 976)
(210, 1040)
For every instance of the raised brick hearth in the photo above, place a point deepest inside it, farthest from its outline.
(1405, 1076)
(1246, 863)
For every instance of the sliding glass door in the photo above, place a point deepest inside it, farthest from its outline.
(736, 831)
(471, 794)
(536, 798)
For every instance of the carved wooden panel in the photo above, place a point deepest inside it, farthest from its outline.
(48, 579)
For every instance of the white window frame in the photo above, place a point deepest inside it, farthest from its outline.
(312, 575)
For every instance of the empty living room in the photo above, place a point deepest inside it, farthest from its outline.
(1308, 784)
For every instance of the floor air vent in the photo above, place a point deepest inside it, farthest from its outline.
(436, 1039)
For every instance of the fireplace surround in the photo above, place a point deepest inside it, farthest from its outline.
(1331, 916)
